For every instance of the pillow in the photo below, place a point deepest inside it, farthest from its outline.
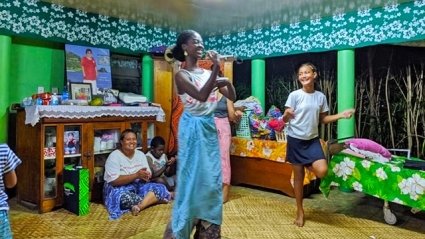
(368, 145)
(376, 157)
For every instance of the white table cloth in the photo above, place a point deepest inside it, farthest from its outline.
(36, 112)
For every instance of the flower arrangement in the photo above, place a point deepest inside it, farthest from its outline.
(265, 126)
(262, 126)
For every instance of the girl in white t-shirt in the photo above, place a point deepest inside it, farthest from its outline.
(306, 108)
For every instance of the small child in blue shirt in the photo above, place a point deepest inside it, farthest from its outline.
(8, 163)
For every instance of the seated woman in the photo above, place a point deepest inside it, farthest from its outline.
(127, 176)
(160, 165)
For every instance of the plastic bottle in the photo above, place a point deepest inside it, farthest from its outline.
(39, 101)
(65, 94)
(54, 100)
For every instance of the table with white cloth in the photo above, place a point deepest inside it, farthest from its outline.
(36, 112)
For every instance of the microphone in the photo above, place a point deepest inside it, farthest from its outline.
(236, 59)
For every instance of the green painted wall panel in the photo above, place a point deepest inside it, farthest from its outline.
(26, 64)
(5, 52)
(34, 65)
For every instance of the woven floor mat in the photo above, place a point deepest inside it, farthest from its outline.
(249, 214)
(63, 224)
(260, 216)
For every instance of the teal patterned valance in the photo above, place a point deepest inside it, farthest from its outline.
(33, 18)
(391, 24)
(394, 23)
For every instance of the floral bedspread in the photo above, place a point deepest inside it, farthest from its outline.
(387, 181)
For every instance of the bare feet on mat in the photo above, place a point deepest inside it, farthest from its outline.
(299, 220)
(135, 210)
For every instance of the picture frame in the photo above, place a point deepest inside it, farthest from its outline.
(71, 142)
(87, 64)
(81, 91)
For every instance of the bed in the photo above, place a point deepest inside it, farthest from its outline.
(262, 163)
(390, 181)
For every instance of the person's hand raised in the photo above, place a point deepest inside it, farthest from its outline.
(213, 56)
(346, 114)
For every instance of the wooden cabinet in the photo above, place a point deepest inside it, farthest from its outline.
(53, 143)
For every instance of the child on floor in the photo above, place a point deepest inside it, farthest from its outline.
(160, 165)
(8, 163)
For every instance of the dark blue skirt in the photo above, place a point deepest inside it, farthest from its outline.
(303, 152)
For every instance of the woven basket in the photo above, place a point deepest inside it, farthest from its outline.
(243, 129)
(281, 136)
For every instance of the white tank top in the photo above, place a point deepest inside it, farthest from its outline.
(196, 107)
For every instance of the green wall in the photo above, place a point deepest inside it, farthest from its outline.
(5, 50)
(34, 64)
(31, 64)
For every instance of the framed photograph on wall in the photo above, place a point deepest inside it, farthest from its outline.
(81, 91)
(86, 64)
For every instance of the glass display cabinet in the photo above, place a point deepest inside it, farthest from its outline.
(46, 147)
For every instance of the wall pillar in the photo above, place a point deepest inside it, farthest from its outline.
(147, 77)
(346, 92)
(5, 54)
(258, 81)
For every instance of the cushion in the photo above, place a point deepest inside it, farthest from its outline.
(368, 145)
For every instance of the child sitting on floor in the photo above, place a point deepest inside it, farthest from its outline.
(160, 165)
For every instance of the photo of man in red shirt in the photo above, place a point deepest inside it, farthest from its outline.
(88, 66)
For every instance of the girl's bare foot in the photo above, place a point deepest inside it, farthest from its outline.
(299, 220)
(135, 210)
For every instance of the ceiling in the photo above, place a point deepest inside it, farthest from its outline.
(218, 17)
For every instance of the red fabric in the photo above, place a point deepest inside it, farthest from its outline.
(176, 111)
